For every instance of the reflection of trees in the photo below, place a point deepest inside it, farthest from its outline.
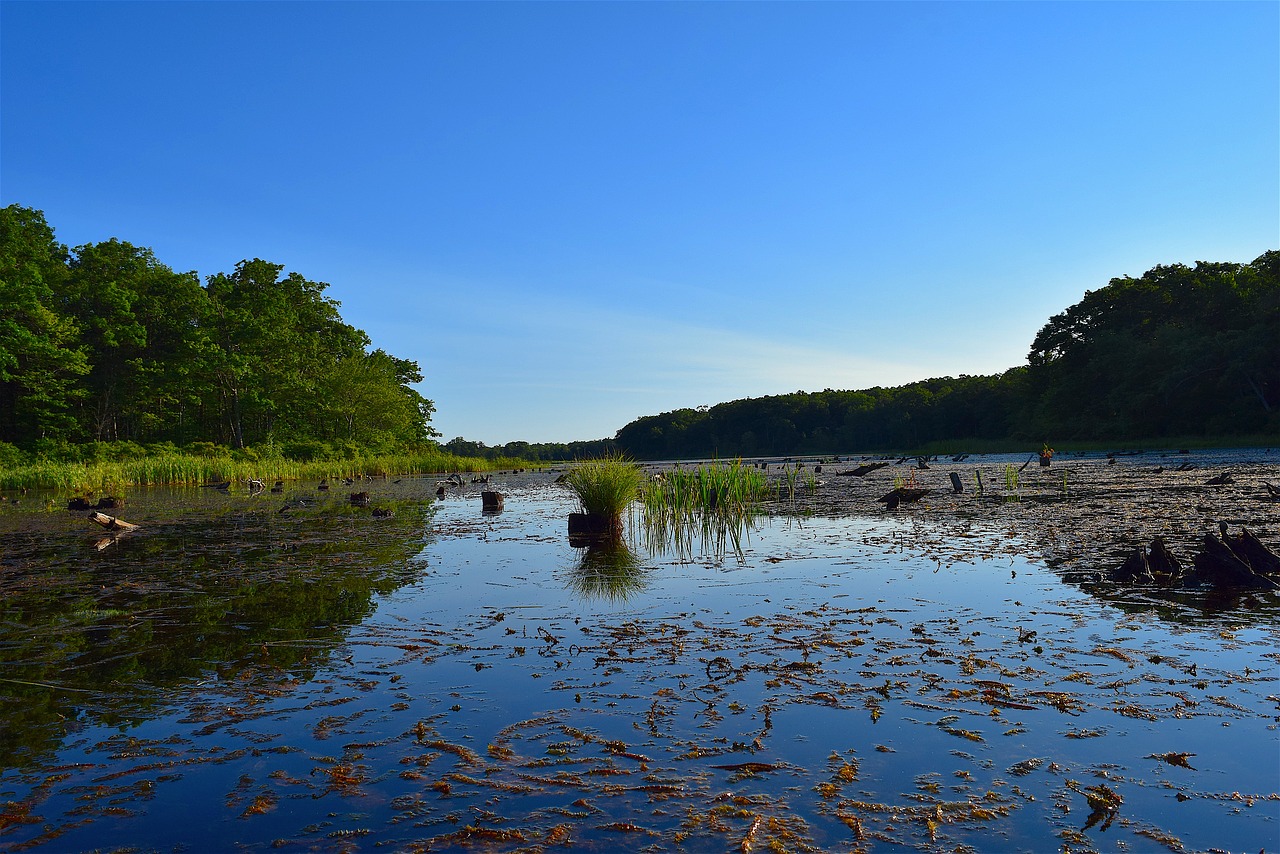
(94, 635)
(607, 570)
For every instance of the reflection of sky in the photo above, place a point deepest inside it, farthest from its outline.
(492, 636)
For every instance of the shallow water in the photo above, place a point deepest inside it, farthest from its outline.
(321, 680)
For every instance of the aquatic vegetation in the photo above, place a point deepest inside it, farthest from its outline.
(1011, 483)
(605, 486)
(712, 506)
(189, 468)
(710, 487)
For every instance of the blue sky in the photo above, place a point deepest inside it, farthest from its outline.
(575, 214)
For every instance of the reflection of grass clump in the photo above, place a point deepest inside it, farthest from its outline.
(606, 486)
(607, 571)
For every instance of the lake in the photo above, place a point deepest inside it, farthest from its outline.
(230, 676)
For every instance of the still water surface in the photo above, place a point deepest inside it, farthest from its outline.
(233, 677)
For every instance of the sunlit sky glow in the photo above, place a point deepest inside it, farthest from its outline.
(575, 214)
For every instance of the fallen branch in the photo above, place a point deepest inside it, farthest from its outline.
(111, 523)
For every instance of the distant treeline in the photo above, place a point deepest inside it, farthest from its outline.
(1179, 352)
(545, 451)
(104, 343)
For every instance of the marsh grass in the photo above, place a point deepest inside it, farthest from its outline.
(711, 487)
(1011, 482)
(178, 469)
(606, 486)
(712, 507)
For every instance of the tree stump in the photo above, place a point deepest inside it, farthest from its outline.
(491, 502)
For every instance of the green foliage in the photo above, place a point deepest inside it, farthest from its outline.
(106, 343)
(604, 486)
(1179, 352)
(96, 467)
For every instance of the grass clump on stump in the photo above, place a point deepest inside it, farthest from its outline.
(605, 487)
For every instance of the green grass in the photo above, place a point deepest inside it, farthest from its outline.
(713, 505)
(605, 486)
(711, 487)
(190, 469)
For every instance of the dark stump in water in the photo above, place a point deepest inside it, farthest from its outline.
(587, 528)
(491, 501)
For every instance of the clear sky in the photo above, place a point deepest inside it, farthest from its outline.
(575, 214)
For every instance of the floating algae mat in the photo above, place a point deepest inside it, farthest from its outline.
(234, 677)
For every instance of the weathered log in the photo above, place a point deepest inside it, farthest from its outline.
(586, 528)
(491, 501)
(359, 499)
(1164, 566)
(1134, 570)
(902, 495)
(956, 486)
(1220, 566)
(1250, 549)
(1223, 479)
(111, 523)
(109, 503)
(863, 470)
(79, 503)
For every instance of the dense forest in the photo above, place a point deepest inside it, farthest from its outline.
(1178, 352)
(104, 343)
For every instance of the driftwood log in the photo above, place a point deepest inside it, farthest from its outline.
(586, 528)
(1240, 562)
(1152, 565)
(902, 495)
(111, 523)
(863, 470)
(1221, 566)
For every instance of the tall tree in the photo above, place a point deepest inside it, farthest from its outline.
(40, 359)
(277, 338)
(143, 326)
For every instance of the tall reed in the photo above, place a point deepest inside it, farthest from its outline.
(186, 469)
(713, 505)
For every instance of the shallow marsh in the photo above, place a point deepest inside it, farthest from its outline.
(233, 676)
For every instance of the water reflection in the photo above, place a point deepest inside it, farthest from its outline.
(92, 635)
(688, 534)
(608, 570)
